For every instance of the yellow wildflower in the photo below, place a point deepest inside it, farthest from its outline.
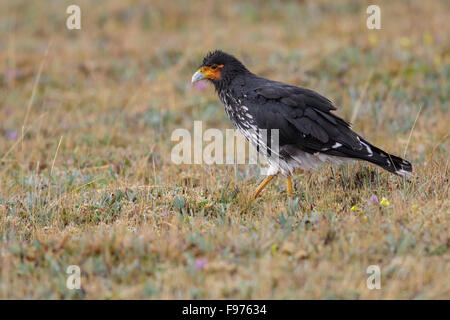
(437, 60)
(273, 248)
(373, 39)
(405, 42)
(384, 202)
(428, 39)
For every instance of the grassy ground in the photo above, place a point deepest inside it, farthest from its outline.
(86, 177)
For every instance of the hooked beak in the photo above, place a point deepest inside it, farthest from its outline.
(198, 76)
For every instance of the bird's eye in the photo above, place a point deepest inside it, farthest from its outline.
(214, 66)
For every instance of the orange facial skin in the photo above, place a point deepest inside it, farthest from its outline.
(211, 72)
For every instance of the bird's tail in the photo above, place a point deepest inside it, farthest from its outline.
(387, 161)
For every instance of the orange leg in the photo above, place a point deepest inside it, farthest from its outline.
(288, 185)
(261, 186)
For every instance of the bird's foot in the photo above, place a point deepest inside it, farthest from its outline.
(289, 186)
(261, 186)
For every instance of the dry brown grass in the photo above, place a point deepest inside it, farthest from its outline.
(86, 177)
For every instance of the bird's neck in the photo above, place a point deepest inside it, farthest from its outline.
(225, 83)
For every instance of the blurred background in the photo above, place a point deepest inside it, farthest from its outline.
(129, 66)
(86, 117)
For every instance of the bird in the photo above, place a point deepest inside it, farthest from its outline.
(309, 133)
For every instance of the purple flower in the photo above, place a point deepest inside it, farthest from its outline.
(14, 74)
(200, 263)
(374, 200)
(200, 85)
(12, 135)
(165, 213)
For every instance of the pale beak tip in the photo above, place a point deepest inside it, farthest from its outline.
(197, 77)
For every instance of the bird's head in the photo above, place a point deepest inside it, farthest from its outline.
(218, 67)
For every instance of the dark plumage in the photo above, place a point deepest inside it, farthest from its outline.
(309, 133)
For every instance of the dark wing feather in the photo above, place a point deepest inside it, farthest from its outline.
(303, 117)
(294, 96)
(304, 120)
